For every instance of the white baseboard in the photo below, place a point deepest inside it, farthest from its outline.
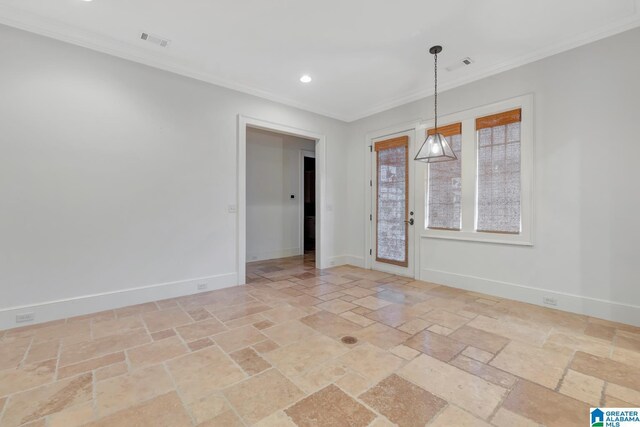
(356, 261)
(281, 253)
(609, 310)
(78, 306)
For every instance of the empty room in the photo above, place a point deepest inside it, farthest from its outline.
(343, 214)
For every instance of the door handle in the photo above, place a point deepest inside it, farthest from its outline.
(410, 222)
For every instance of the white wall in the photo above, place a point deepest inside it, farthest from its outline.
(273, 175)
(587, 149)
(115, 179)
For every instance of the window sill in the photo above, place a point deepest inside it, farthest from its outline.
(495, 238)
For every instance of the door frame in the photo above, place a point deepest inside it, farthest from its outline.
(303, 154)
(369, 230)
(245, 122)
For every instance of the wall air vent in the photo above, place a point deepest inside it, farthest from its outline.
(462, 63)
(157, 40)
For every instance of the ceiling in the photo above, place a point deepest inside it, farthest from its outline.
(365, 56)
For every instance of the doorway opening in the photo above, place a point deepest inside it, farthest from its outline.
(280, 200)
(308, 204)
(281, 180)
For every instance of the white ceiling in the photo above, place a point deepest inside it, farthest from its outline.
(364, 55)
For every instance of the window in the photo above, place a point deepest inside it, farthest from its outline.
(486, 195)
(392, 201)
(445, 184)
(498, 197)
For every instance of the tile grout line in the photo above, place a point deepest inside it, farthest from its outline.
(508, 391)
(366, 405)
(94, 398)
(564, 374)
(23, 361)
(4, 408)
(58, 356)
(603, 394)
(178, 392)
(440, 412)
(234, 410)
(613, 344)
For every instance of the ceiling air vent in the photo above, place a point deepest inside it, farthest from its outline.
(157, 40)
(462, 63)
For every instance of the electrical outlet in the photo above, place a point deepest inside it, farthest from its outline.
(202, 286)
(25, 317)
(549, 301)
(232, 209)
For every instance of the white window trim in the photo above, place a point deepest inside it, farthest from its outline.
(469, 174)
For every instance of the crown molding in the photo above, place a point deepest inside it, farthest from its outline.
(54, 29)
(620, 26)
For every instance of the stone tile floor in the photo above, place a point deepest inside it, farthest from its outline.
(270, 354)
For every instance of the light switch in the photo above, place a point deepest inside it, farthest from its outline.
(232, 209)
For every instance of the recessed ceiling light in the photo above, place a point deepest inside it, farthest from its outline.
(306, 78)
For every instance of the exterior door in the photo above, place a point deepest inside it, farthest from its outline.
(393, 216)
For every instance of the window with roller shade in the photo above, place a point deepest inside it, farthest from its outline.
(445, 184)
(498, 196)
(487, 194)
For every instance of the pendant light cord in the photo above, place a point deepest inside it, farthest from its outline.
(435, 67)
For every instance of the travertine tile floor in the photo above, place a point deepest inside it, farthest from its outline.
(270, 354)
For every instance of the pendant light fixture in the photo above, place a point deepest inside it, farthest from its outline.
(435, 148)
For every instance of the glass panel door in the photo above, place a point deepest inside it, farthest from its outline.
(392, 201)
